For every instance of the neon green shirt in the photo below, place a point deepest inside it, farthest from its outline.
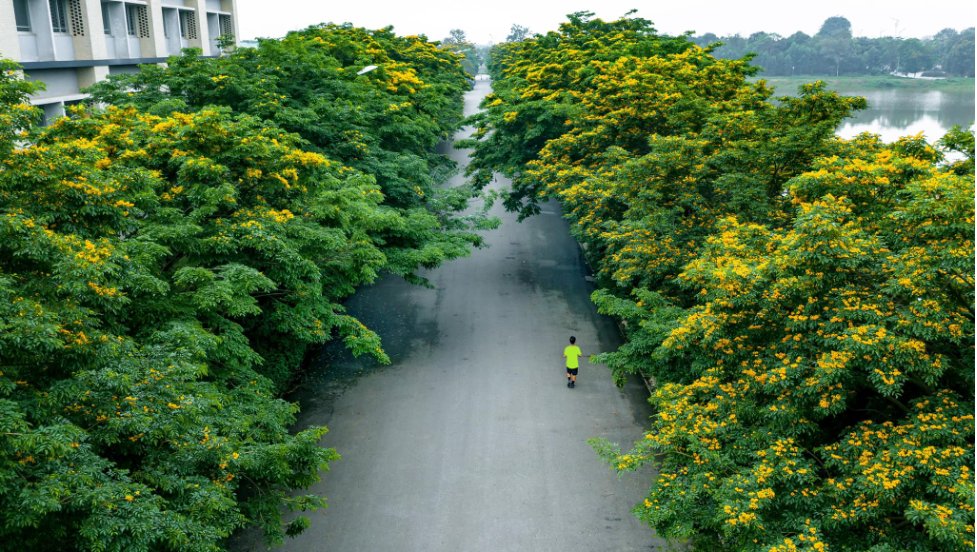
(572, 353)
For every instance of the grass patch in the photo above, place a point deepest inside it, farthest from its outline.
(788, 85)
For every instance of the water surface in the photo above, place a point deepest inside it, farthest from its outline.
(899, 112)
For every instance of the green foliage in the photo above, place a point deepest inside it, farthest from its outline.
(225, 42)
(828, 368)
(914, 56)
(136, 253)
(457, 43)
(960, 141)
(165, 263)
(543, 77)
(835, 26)
(834, 51)
(15, 113)
(384, 123)
(804, 304)
(517, 33)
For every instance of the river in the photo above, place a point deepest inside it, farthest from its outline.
(931, 108)
(899, 112)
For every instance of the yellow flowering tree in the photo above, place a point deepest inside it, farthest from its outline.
(384, 124)
(540, 89)
(804, 304)
(828, 396)
(142, 257)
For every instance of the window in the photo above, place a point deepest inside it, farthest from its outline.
(183, 23)
(131, 20)
(187, 21)
(59, 16)
(188, 24)
(106, 19)
(137, 20)
(226, 25)
(22, 15)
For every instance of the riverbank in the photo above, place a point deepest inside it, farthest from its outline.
(880, 82)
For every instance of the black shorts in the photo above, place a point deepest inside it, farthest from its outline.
(572, 371)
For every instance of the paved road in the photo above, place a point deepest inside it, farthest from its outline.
(471, 440)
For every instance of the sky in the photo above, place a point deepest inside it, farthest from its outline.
(490, 21)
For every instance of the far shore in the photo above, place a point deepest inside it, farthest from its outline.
(789, 84)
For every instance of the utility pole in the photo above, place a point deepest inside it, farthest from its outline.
(897, 38)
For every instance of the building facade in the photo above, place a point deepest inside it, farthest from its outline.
(71, 44)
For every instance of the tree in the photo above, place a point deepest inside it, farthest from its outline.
(166, 262)
(836, 48)
(817, 413)
(226, 43)
(960, 58)
(384, 124)
(535, 118)
(517, 33)
(837, 26)
(835, 40)
(914, 56)
(458, 43)
(135, 253)
(802, 304)
(456, 36)
(705, 40)
(941, 44)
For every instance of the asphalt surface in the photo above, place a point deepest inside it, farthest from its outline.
(471, 440)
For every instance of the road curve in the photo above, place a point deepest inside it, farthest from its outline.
(470, 440)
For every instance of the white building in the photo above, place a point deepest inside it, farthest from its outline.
(71, 44)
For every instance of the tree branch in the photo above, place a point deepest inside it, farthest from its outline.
(899, 405)
(949, 289)
(271, 294)
(922, 385)
(173, 261)
(805, 449)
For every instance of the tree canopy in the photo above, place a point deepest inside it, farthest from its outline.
(803, 304)
(457, 42)
(517, 33)
(166, 261)
(384, 124)
(836, 26)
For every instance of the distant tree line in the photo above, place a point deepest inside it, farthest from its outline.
(458, 43)
(834, 51)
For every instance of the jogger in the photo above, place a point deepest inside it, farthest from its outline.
(572, 354)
